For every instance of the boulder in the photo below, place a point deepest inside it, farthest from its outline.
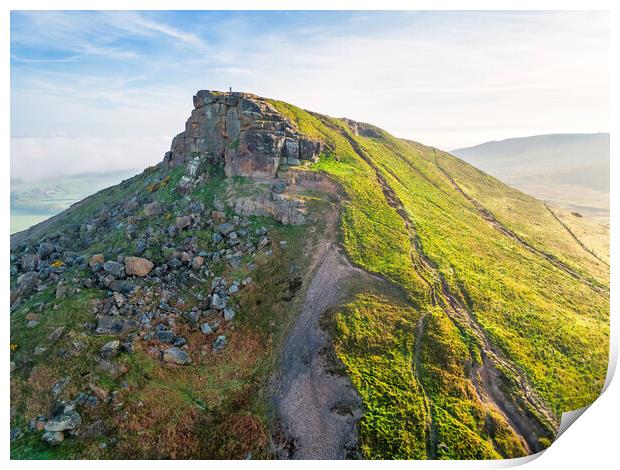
(27, 282)
(165, 336)
(229, 314)
(175, 263)
(225, 228)
(115, 325)
(66, 421)
(115, 269)
(219, 343)
(154, 208)
(61, 291)
(110, 350)
(176, 356)
(119, 298)
(135, 266)
(218, 302)
(183, 222)
(53, 438)
(197, 263)
(179, 341)
(124, 287)
(140, 247)
(95, 260)
(29, 262)
(46, 249)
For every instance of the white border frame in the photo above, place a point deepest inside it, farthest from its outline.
(592, 443)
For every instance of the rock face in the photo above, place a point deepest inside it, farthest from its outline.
(281, 208)
(363, 129)
(244, 132)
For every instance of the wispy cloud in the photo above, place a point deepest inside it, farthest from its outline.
(448, 79)
(139, 22)
(94, 34)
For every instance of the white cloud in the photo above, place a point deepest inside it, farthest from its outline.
(445, 79)
(43, 157)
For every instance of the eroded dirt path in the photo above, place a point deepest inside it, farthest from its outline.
(316, 410)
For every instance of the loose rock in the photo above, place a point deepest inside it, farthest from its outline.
(110, 350)
(135, 266)
(176, 356)
(68, 420)
(53, 438)
(219, 343)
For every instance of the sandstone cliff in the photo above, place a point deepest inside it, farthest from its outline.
(242, 131)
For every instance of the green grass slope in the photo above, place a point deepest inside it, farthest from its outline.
(431, 223)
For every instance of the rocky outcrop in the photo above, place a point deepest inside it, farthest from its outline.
(242, 131)
(363, 129)
(282, 208)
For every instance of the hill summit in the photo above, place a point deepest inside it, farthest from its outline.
(244, 132)
(286, 284)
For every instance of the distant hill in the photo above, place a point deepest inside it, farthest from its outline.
(568, 170)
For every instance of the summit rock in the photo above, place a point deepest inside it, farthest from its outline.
(245, 132)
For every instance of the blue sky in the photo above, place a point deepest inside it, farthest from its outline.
(92, 91)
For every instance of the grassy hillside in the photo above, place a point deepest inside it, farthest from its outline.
(497, 320)
(535, 293)
(142, 408)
